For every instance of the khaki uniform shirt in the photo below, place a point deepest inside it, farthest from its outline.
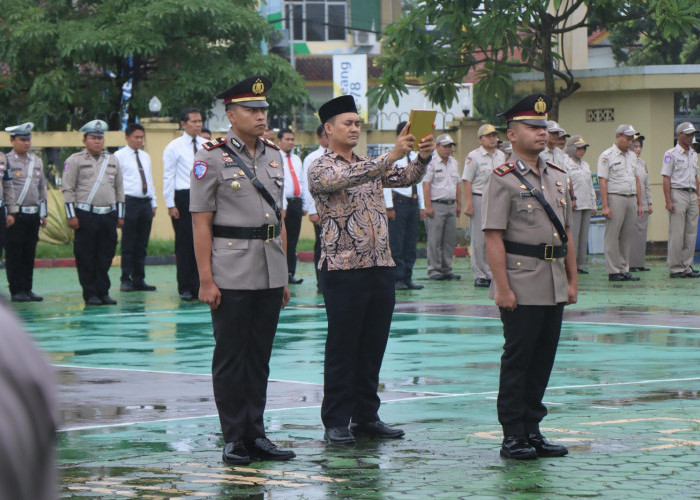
(582, 183)
(509, 207)
(681, 167)
(443, 178)
(19, 170)
(478, 166)
(7, 192)
(643, 175)
(223, 188)
(350, 205)
(80, 173)
(620, 169)
(556, 156)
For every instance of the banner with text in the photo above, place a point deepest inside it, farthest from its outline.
(350, 78)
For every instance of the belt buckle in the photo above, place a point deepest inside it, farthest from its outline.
(270, 233)
(549, 253)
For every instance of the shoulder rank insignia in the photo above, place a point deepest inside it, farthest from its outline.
(549, 163)
(504, 169)
(268, 142)
(214, 143)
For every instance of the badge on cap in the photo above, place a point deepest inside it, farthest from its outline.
(540, 106)
(200, 169)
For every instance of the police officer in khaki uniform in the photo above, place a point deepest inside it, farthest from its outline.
(553, 152)
(681, 184)
(93, 193)
(8, 208)
(621, 196)
(478, 166)
(239, 243)
(27, 174)
(533, 261)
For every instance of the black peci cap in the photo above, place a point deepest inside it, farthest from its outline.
(337, 106)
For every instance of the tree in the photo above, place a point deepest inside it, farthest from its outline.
(67, 60)
(441, 42)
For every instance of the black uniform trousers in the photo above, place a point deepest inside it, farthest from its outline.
(403, 235)
(94, 247)
(135, 233)
(244, 327)
(317, 252)
(531, 337)
(359, 306)
(292, 223)
(185, 263)
(20, 252)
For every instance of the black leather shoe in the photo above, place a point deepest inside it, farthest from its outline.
(452, 276)
(377, 429)
(518, 448)
(107, 300)
(616, 277)
(582, 271)
(264, 449)
(338, 435)
(544, 448)
(34, 297)
(482, 283)
(692, 274)
(400, 285)
(93, 300)
(295, 281)
(186, 295)
(629, 277)
(144, 287)
(127, 286)
(437, 277)
(20, 297)
(414, 286)
(235, 453)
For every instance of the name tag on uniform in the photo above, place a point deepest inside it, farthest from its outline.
(85, 166)
(526, 194)
(229, 164)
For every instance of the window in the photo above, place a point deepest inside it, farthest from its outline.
(316, 20)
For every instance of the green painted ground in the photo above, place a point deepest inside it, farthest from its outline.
(623, 396)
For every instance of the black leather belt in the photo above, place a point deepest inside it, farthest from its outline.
(541, 251)
(445, 202)
(476, 194)
(687, 190)
(137, 198)
(399, 198)
(625, 195)
(265, 232)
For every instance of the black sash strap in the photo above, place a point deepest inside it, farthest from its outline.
(264, 232)
(545, 204)
(256, 182)
(541, 251)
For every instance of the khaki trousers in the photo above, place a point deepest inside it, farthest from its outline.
(442, 239)
(580, 224)
(619, 233)
(682, 230)
(639, 243)
(478, 242)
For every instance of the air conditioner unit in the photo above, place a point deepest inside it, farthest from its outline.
(364, 38)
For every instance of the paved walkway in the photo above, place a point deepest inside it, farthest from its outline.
(138, 419)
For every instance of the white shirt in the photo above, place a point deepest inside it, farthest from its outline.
(298, 171)
(178, 159)
(131, 176)
(443, 177)
(309, 202)
(405, 191)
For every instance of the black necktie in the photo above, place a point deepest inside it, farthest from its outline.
(194, 145)
(144, 186)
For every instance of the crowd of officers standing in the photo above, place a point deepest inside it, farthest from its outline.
(236, 203)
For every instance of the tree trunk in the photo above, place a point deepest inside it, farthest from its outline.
(548, 63)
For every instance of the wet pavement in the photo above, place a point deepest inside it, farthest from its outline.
(138, 419)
